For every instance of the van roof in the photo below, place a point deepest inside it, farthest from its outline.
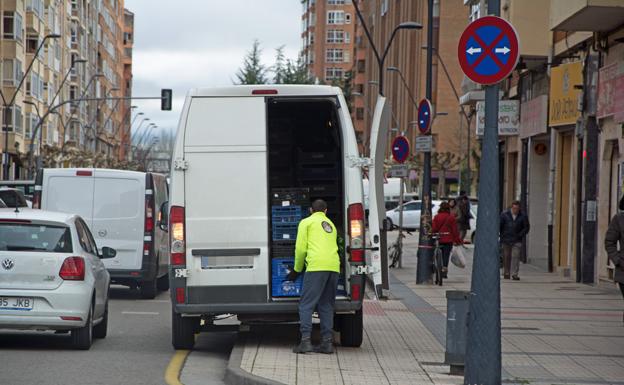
(65, 171)
(282, 90)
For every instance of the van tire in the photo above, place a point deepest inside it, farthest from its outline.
(100, 330)
(182, 331)
(162, 283)
(82, 337)
(351, 329)
(148, 289)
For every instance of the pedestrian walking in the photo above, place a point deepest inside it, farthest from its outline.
(316, 249)
(454, 209)
(514, 226)
(463, 222)
(615, 235)
(444, 223)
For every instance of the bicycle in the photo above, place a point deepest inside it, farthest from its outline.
(438, 261)
(395, 251)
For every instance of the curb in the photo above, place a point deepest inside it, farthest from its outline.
(235, 375)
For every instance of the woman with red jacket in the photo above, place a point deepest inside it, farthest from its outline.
(444, 223)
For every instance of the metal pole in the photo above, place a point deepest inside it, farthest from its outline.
(425, 244)
(401, 188)
(483, 349)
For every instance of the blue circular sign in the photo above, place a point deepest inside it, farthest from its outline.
(424, 116)
(400, 149)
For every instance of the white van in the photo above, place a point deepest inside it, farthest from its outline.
(122, 210)
(235, 147)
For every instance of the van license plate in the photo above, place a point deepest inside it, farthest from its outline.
(16, 303)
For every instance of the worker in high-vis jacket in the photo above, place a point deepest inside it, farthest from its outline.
(317, 249)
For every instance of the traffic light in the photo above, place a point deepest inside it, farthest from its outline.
(165, 99)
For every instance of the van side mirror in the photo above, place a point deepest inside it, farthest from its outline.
(163, 216)
(108, 253)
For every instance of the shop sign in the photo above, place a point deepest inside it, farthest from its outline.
(508, 117)
(533, 117)
(564, 96)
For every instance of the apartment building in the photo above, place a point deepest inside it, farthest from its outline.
(75, 47)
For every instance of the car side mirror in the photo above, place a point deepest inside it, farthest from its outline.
(163, 216)
(108, 253)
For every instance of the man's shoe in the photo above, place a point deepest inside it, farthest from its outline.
(327, 346)
(506, 276)
(305, 346)
(515, 278)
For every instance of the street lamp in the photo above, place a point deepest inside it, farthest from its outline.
(9, 105)
(138, 128)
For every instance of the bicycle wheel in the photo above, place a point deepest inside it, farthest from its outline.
(437, 258)
(395, 255)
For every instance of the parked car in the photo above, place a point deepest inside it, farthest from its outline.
(2, 204)
(220, 230)
(13, 197)
(122, 208)
(411, 214)
(27, 187)
(52, 276)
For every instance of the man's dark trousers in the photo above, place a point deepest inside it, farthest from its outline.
(319, 290)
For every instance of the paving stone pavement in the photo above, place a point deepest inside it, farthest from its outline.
(554, 331)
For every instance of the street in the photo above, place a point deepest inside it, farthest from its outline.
(136, 351)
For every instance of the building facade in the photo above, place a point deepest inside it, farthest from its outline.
(76, 48)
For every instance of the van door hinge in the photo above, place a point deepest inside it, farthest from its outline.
(365, 270)
(357, 161)
(181, 273)
(180, 164)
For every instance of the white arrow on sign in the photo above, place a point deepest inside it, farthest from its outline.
(503, 50)
(473, 50)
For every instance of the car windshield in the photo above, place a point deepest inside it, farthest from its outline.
(33, 237)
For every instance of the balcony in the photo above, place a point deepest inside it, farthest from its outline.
(586, 15)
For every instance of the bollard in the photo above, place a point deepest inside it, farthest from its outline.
(457, 306)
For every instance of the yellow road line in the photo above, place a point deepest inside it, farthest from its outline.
(174, 369)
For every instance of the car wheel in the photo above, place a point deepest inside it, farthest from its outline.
(82, 338)
(163, 283)
(100, 330)
(389, 224)
(352, 329)
(148, 289)
(182, 331)
(472, 237)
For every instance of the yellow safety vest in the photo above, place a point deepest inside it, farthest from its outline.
(316, 244)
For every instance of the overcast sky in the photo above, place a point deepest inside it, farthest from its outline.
(184, 44)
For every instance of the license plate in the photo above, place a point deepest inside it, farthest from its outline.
(16, 303)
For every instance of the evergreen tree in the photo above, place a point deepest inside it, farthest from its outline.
(280, 67)
(253, 71)
(297, 72)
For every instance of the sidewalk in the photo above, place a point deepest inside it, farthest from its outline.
(554, 331)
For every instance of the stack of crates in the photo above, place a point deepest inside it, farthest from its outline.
(288, 207)
(320, 171)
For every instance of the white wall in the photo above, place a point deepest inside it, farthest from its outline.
(537, 240)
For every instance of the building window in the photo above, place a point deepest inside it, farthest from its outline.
(334, 55)
(334, 74)
(34, 86)
(361, 66)
(347, 37)
(384, 7)
(346, 57)
(31, 123)
(347, 18)
(14, 119)
(335, 2)
(335, 17)
(11, 71)
(359, 88)
(35, 6)
(13, 26)
(359, 113)
(335, 36)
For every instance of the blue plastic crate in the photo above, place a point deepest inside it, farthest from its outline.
(280, 267)
(286, 214)
(284, 231)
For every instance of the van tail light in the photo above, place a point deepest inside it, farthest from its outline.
(264, 92)
(149, 213)
(177, 235)
(356, 292)
(356, 232)
(147, 247)
(180, 295)
(73, 269)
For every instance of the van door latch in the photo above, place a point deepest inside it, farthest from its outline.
(357, 161)
(365, 270)
(180, 164)
(181, 273)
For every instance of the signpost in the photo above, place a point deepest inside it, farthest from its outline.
(400, 149)
(488, 53)
(424, 116)
(423, 143)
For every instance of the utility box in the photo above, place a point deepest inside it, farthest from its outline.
(457, 307)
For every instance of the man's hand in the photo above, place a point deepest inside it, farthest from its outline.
(292, 276)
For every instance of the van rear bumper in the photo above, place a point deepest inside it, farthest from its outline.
(257, 308)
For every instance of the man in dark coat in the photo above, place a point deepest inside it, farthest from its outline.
(615, 234)
(514, 226)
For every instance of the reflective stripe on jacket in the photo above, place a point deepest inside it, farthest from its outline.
(316, 245)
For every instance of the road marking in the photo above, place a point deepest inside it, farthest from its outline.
(140, 312)
(174, 369)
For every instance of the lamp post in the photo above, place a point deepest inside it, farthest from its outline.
(9, 104)
(138, 128)
(98, 105)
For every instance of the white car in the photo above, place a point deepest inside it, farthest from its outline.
(411, 214)
(52, 276)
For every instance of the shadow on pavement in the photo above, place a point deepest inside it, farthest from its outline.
(31, 340)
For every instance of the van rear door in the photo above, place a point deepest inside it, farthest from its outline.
(68, 191)
(226, 199)
(118, 216)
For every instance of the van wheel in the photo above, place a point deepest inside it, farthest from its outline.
(99, 330)
(82, 338)
(472, 237)
(182, 331)
(148, 289)
(163, 283)
(351, 329)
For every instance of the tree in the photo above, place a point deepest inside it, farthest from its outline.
(253, 71)
(281, 66)
(296, 72)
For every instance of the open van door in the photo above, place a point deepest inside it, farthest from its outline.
(377, 212)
